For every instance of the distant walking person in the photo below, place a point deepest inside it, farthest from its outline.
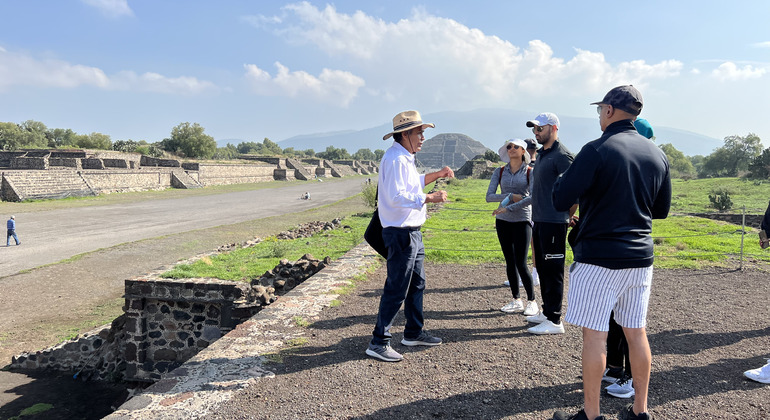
(622, 181)
(401, 206)
(550, 230)
(12, 232)
(512, 221)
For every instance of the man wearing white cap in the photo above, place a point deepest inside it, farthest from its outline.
(12, 232)
(401, 206)
(550, 231)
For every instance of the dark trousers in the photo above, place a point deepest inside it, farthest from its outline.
(405, 284)
(617, 346)
(549, 241)
(514, 240)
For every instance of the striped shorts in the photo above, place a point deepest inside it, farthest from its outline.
(596, 291)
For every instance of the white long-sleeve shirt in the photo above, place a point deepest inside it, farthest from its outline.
(401, 201)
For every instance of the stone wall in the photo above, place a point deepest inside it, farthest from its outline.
(106, 182)
(40, 163)
(64, 162)
(165, 163)
(222, 174)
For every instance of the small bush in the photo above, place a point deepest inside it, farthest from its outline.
(720, 199)
(279, 248)
(369, 194)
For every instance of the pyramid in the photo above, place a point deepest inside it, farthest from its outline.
(449, 149)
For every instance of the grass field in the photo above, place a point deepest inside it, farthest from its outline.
(463, 232)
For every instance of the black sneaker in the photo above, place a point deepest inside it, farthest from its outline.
(424, 339)
(628, 414)
(581, 415)
(612, 374)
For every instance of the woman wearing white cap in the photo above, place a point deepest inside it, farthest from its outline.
(513, 221)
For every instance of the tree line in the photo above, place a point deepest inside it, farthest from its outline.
(738, 156)
(186, 140)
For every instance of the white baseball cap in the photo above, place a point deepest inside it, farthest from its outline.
(546, 118)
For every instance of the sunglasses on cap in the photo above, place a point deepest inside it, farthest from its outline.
(515, 146)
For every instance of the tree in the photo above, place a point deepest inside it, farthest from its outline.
(270, 147)
(732, 158)
(227, 152)
(378, 154)
(245, 148)
(125, 146)
(491, 156)
(93, 141)
(759, 168)
(11, 136)
(679, 163)
(364, 154)
(190, 141)
(333, 153)
(60, 137)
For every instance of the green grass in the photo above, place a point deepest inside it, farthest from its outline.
(247, 263)
(464, 233)
(31, 411)
(692, 196)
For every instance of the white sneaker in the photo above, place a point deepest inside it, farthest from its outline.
(623, 388)
(515, 306)
(537, 318)
(532, 308)
(759, 374)
(506, 283)
(520, 283)
(535, 278)
(547, 327)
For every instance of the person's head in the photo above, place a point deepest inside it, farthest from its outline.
(531, 148)
(546, 128)
(408, 130)
(643, 127)
(620, 103)
(514, 150)
(13, 217)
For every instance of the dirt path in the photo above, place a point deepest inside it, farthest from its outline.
(705, 329)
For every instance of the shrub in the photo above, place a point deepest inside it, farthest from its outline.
(369, 194)
(720, 199)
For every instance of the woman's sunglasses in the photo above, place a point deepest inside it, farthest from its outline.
(516, 147)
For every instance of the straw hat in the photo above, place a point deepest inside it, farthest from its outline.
(407, 120)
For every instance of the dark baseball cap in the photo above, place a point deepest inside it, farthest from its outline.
(625, 98)
(531, 145)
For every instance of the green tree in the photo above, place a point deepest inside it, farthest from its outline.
(679, 163)
(364, 154)
(378, 154)
(227, 152)
(60, 137)
(270, 147)
(125, 145)
(11, 136)
(93, 141)
(491, 156)
(249, 147)
(190, 141)
(333, 153)
(759, 168)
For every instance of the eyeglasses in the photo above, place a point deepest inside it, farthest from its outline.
(538, 128)
(515, 147)
(599, 109)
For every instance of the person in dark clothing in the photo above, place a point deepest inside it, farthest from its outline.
(765, 227)
(622, 182)
(550, 230)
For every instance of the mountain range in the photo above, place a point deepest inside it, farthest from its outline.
(492, 127)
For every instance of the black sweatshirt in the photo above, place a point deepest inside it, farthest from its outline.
(622, 182)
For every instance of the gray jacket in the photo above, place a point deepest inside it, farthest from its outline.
(518, 183)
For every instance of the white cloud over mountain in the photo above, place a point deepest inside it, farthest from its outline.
(331, 86)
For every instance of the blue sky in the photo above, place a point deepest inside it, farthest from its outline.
(255, 69)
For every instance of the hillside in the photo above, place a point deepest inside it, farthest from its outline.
(492, 127)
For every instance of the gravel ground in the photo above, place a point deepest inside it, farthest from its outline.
(705, 329)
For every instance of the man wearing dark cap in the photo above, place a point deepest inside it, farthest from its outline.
(550, 231)
(622, 182)
(401, 206)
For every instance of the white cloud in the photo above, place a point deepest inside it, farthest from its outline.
(443, 60)
(18, 69)
(765, 44)
(331, 86)
(261, 21)
(111, 8)
(728, 71)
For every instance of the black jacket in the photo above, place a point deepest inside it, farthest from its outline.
(551, 163)
(622, 182)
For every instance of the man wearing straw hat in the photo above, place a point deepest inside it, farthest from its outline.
(401, 204)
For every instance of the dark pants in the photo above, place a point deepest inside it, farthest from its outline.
(405, 284)
(550, 246)
(617, 346)
(514, 240)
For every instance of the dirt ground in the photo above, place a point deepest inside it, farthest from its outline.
(705, 329)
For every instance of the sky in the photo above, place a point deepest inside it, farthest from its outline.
(248, 70)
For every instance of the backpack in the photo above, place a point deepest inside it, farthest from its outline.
(500, 175)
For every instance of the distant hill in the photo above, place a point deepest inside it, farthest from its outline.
(492, 127)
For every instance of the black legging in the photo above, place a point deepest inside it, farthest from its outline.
(514, 240)
(617, 346)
